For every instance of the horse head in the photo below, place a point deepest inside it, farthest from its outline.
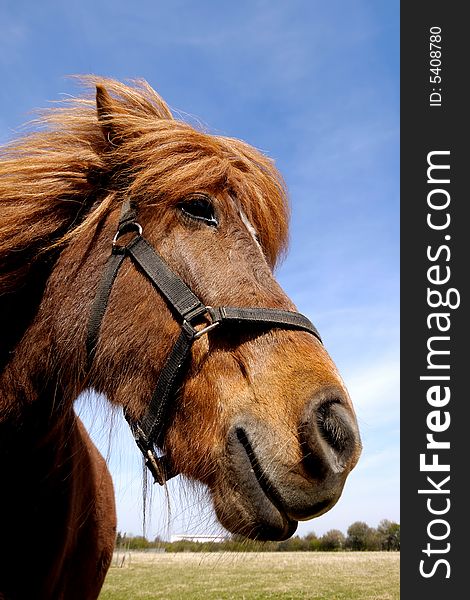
(260, 414)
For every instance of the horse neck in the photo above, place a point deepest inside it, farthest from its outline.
(40, 444)
(33, 407)
(41, 466)
(32, 421)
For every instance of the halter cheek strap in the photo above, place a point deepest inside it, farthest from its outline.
(189, 311)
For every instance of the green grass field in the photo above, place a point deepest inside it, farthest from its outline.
(252, 576)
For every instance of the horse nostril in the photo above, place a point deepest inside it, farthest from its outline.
(335, 426)
(329, 437)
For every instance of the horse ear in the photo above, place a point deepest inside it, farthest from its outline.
(106, 109)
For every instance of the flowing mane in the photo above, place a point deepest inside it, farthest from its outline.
(62, 179)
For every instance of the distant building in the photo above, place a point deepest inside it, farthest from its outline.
(198, 538)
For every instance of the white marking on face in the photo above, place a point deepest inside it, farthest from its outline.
(250, 227)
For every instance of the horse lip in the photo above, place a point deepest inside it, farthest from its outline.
(262, 478)
(268, 489)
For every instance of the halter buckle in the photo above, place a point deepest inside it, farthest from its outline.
(197, 333)
(155, 465)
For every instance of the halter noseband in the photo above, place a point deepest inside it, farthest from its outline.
(188, 310)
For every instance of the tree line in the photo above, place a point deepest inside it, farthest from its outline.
(359, 537)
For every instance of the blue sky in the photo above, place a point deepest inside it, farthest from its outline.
(316, 86)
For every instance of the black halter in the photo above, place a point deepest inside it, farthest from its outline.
(189, 311)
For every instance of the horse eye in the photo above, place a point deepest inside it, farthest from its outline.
(200, 209)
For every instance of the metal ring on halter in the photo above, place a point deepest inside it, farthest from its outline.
(128, 227)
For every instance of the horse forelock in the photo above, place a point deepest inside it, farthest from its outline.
(64, 176)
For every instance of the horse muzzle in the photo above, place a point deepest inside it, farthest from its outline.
(270, 492)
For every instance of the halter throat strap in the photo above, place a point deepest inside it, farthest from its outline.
(196, 320)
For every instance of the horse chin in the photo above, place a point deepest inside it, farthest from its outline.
(250, 513)
(246, 504)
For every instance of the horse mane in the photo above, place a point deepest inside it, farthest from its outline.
(64, 175)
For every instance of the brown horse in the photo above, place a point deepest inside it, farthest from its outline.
(259, 415)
